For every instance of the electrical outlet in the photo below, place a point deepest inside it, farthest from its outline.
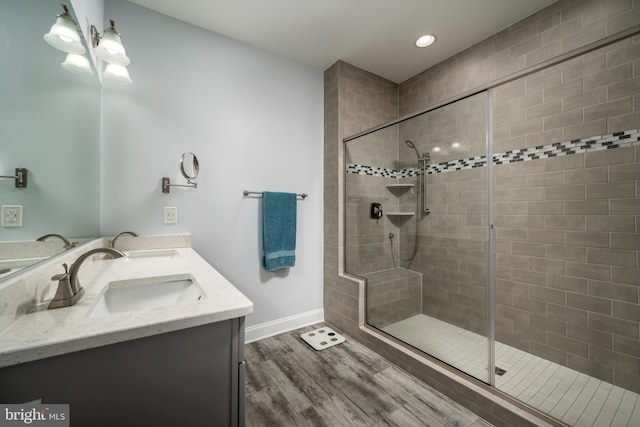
(170, 215)
(11, 215)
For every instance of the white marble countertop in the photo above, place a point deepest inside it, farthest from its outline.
(44, 333)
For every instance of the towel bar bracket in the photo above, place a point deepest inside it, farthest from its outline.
(20, 177)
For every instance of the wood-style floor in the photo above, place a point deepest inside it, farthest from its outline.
(291, 384)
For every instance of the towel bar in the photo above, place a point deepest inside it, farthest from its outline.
(246, 193)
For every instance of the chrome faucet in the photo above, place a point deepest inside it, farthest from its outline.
(69, 290)
(67, 244)
(112, 243)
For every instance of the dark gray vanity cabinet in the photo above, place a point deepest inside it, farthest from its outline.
(190, 377)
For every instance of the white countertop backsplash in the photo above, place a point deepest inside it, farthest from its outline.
(29, 331)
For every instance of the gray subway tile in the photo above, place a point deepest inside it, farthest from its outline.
(557, 326)
(544, 179)
(608, 109)
(547, 294)
(587, 238)
(613, 291)
(589, 303)
(530, 305)
(588, 271)
(545, 208)
(625, 241)
(610, 190)
(569, 253)
(608, 76)
(625, 310)
(588, 207)
(564, 222)
(528, 249)
(584, 130)
(623, 88)
(630, 276)
(565, 283)
(511, 234)
(562, 313)
(617, 257)
(584, 99)
(590, 335)
(586, 175)
(564, 163)
(527, 221)
(568, 344)
(549, 353)
(624, 206)
(609, 157)
(528, 276)
(622, 327)
(626, 345)
(626, 172)
(545, 236)
(591, 368)
(565, 192)
(605, 223)
(547, 265)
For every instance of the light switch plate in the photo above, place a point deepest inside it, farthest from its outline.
(11, 216)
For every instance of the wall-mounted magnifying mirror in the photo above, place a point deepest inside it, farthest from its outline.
(189, 168)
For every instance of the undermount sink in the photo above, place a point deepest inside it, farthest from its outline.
(145, 293)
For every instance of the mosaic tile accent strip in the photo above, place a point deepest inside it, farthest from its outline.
(557, 149)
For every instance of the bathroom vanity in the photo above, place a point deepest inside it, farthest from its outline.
(177, 362)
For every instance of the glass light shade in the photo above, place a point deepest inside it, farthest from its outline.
(117, 74)
(64, 36)
(77, 64)
(110, 48)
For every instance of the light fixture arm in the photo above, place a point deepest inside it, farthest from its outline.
(95, 35)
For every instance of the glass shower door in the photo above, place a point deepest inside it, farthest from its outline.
(427, 270)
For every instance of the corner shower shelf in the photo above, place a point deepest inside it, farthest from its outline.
(400, 214)
(400, 185)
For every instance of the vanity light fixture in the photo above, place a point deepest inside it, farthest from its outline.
(110, 49)
(77, 64)
(117, 74)
(64, 35)
(426, 40)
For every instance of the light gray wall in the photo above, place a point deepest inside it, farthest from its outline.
(255, 122)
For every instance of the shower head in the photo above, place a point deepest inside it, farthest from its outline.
(411, 145)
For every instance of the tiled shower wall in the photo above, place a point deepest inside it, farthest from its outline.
(558, 28)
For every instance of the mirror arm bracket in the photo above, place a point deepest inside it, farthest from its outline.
(166, 184)
(20, 177)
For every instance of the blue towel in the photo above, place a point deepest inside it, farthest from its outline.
(279, 230)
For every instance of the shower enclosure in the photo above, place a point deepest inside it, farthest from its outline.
(505, 238)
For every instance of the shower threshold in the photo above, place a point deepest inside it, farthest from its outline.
(570, 396)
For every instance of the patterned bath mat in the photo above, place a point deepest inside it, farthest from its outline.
(322, 338)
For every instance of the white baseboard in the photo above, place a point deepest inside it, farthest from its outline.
(286, 324)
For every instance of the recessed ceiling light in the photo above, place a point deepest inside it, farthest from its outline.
(426, 40)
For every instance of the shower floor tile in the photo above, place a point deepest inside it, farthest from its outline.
(573, 397)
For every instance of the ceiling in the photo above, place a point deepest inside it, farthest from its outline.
(376, 35)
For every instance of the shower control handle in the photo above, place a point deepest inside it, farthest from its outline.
(375, 211)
